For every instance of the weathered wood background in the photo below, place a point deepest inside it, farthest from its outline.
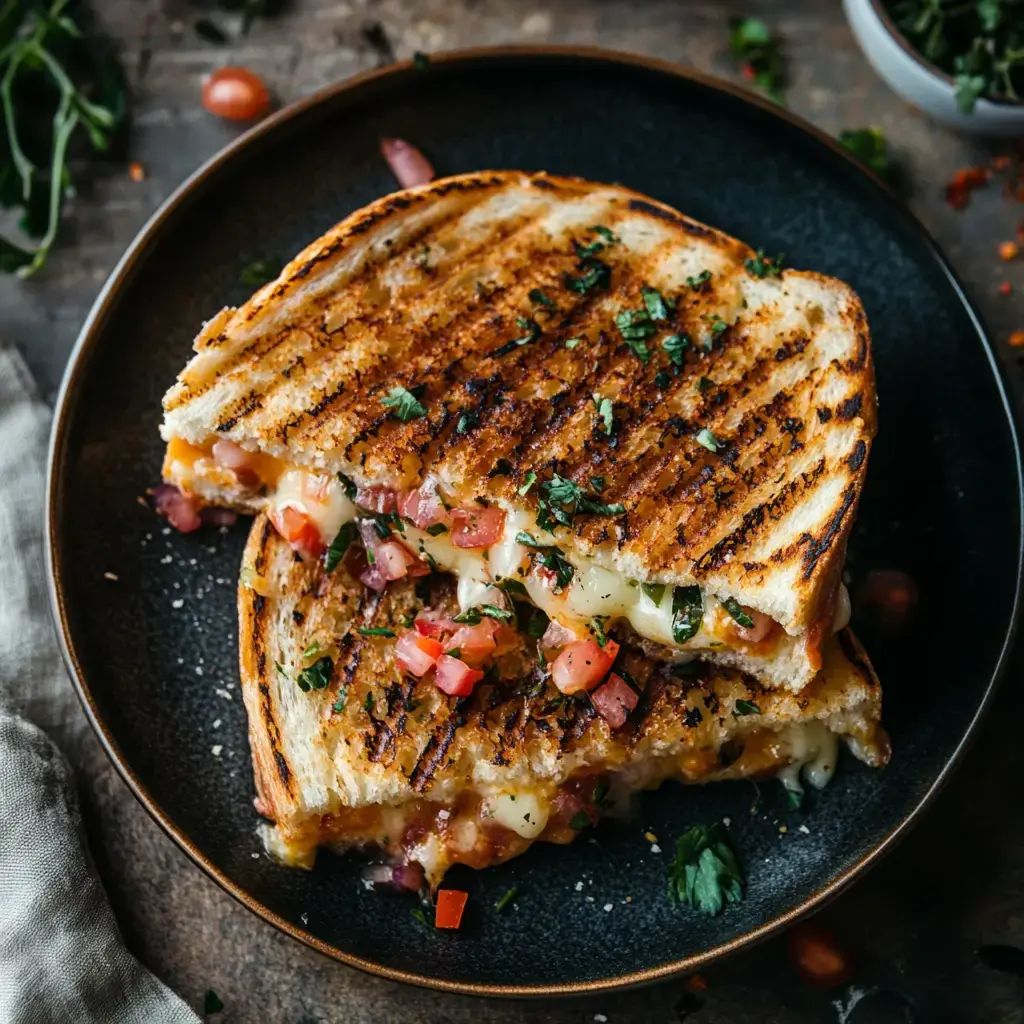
(917, 919)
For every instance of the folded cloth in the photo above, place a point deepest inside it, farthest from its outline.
(62, 960)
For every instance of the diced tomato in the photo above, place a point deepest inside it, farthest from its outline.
(180, 510)
(582, 665)
(474, 643)
(299, 530)
(376, 498)
(393, 560)
(762, 626)
(417, 654)
(476, 527)
(418, 568)
(422, 507)
(450, 905)
(455, 677)
(433, 623)
(614, 700)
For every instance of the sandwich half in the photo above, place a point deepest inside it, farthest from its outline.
(558, 388)
(352, 750)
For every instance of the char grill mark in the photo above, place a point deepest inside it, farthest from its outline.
(434, 752)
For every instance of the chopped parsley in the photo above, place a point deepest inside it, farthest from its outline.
(405, 402)
(510, 584)
(280, 669)
(716, 325)
(662, 380)
(436, 529)
(597, 482)
(468, 419)
(572, 342)
(597, 628)
(533, 332)
(368, 703)
(700, 282)
(375, 631)
(261, 271)
(212, 1002)
(754, 47)
(591, 272)
(687, 613)
(528, 540)
(704, 873)
(317, 676)
(339, 704)
(794, 798)
(472, 616)
(342, 539)
(606, 233)
(554, 561)
(762, 266)
(657, 308)
(348, 487)
(312, 650)
(708, 440)
(735, 609)
(604, 411)
(675, 346)
(532, 621)
(580, 820)
(419, 915)
(538, 298)
(562, 499)
(506, 899)
(635, 326)
(655, 591)
(745, 707)
(528, 481)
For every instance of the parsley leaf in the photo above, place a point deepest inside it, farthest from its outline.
(339, 546)
(764, 266)
(563, 499)
(436, 529)
(348, 487)
(533, 332)
(506, 899)
(715, 323)
(708, 440)
(597, 628)
(375, 631)
(261, 271)
(591, 272)
(687, 613)
(703, 383)
(339, 704)
(597, 482)
(635, 326)
(571, 343)
(472, 616)
(662, 380)
(735, 609)
(468, 419)
(794, 798)
(745, 707)
(605, 412)
(704, 873)
(554, 561)
(538, 298)
(700, 282)
(675, 346)
(868, 145)
(405, 402)
(606, 233)
(317, 676)
(528, 482)
(655, 303)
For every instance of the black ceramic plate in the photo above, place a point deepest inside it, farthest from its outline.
(154, 652)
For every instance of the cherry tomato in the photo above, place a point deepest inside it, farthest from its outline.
(235, 94)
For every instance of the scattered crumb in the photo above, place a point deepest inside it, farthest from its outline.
(783, 828)
(579, 886)
(650, 837)
(655, 848)
(726, 822)
(136, 171)
(600, 1018)
(216, 749)
(199, 670)
(222, 693)
(590, 899)
(608, 908)
(216, 723)
(177, 603)
(304, 918)
(111, 576)
(255, 856)
(1008, 250)
(806, 831)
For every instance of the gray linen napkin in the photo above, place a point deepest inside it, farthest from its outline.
(62, 960)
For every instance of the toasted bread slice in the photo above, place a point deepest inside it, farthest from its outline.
(554, 329)
(377, 758)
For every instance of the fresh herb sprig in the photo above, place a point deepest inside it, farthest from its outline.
(758, 52)
(704, 873)
(56, 87)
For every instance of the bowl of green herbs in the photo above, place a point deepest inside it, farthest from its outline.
(961, 61)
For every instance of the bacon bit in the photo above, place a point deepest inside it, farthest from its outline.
(614, 700)
(1008, 251)
(1016, 339)
(407, 163)
(136, 171)
(180, 510)
(958, 191)
(1005, 288)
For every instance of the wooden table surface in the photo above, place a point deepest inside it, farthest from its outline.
(916, 920)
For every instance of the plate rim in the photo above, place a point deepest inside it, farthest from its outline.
(123, 271)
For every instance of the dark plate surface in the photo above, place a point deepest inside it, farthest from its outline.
(154, 652)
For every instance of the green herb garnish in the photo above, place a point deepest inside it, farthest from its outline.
(472, 616)
(554, 561)
(735, 609)
(317, 676)
(506, 899)
(868, 145)
(703, 383)
(468, 419)
(260, 271)
(605, 413)
(375, 631)
(662, 380)
(687, 613)
(675, 346)
(763, 266)
(538, 298)
(655, 591)
(312, 650)
(704, 873)
(591, 272)
(419, 915)
(580, 820)
(436, 529)
(597, 482)
(700, 281)
(342, 539)
(655, 304)
(597, 628)
(708, 440)
(635, 326)
(368, 703)
(342, 699)
(420, 60)
(606, 233)
(758, 53)
(405, 402)
(745, 707)
(533, 332)
(794, 798)
(528, 481)
(572, 342)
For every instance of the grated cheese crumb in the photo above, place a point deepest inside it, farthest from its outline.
(111, 576)
(655, 848)
(177, 603)
(579, 886)
(216, 723)
(216, 749)
(608, 907)
(600, 1018)
(806, 831)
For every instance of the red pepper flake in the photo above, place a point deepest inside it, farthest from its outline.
(136, 171)
(748, 71)
(1008, 251)
(1016, 339)
(958, 191)
(1005, 288)
(1000, 163)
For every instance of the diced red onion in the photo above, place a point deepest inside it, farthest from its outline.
(407, 163)
(557, 635)
(408, 876)
(219, 516)
(373, 578)
(180, 510)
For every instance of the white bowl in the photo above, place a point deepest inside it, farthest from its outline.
(920, 83)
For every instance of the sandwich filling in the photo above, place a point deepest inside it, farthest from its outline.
(495, 553)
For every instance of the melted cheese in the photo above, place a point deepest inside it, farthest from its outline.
(319, 496)
(813, 752)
